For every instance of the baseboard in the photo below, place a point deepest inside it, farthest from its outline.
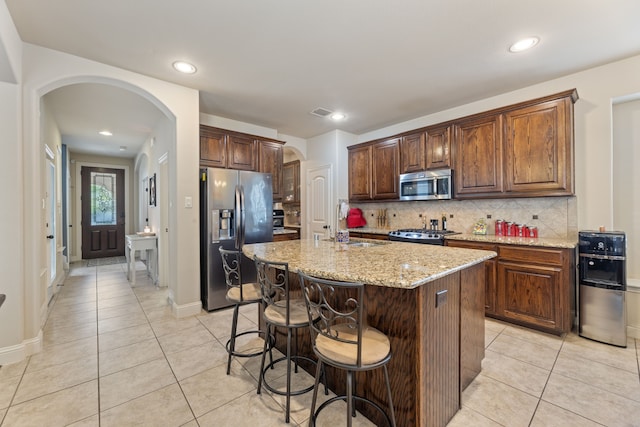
(17, 353)
(633, 332)
(186, 310)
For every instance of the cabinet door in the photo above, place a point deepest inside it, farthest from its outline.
(412, 154)
(478, 156)
(242, 152)
(530, 294)
(360, 173)
(437, 147)
(213, 148)
(291, 182)
(385, 169)
(538, 149)
(271, 162)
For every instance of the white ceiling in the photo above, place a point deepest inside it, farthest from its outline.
(379, 61)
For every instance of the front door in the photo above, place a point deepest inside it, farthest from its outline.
(319, 202)
(103, 215)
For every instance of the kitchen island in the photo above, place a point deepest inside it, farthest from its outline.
(429, 300)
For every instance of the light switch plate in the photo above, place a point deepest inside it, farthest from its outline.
(441, 297)
(188, 202)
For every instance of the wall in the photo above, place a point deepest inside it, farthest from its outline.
(44, 70)
(14, 345)
(626, 181)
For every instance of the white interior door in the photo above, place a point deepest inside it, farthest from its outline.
(319, 202)
(50, 207)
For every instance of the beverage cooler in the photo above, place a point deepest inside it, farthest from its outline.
(602, 284)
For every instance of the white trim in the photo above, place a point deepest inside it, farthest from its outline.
(49, 152)
(633, 332)
(78, 195)
(17, 353)
(186, 310)
(164, 158)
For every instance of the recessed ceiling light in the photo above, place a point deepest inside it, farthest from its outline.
(123, 147)
(105, 133)
(524, 44)
(184, 67)
(338, 116)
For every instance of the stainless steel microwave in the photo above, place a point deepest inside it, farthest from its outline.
(427, 185)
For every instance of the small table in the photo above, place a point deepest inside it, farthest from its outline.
(138, 243)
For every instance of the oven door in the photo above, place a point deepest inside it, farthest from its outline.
(418, 189)
(602, 271)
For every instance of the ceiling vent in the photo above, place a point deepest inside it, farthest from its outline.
(321, 112)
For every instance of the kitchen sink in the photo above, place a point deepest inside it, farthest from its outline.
(365, 244)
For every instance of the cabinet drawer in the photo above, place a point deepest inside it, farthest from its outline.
(536, 256)
(471, 245)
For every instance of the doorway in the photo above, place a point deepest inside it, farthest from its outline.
(319, 201)
(103, 212)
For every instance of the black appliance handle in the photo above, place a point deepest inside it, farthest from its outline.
(604, 257)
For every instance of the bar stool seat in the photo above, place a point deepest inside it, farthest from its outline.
(375, 346)
(250, 293)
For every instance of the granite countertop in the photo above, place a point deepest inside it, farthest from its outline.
(567, 243)
(283, 231)
(391, 264)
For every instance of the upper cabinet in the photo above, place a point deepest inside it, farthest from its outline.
(271, 154)
(242, 152)
(213, 147)
(291, 182)
(221, 148)
(478, 165)
(412, 153)
(374, 170)
(438, 147)
(539, 149)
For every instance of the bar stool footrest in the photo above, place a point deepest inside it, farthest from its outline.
(314, 416)
(238, 354)
(284, 392)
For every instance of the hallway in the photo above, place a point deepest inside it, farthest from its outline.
(115, 356)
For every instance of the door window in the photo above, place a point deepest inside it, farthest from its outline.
(103, 198)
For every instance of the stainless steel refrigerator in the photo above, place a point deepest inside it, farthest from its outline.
(236, 207)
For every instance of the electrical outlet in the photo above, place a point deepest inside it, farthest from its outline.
(441, 297)
(489, 216)
(535, 217)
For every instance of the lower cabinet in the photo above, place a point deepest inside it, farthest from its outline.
(533, 287)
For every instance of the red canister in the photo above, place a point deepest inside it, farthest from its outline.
(519, 230)
(525, 231)
(533, 232)
(499, 227)
(510, 229)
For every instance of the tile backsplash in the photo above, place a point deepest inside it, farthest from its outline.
(555, 217)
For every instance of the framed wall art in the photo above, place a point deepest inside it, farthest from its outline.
(152, 190)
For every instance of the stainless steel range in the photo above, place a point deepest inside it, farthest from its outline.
(420, 235)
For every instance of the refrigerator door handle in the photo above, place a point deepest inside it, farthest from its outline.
(237, 221)
(215, 226)
(242, 218)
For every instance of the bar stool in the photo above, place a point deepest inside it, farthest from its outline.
(240, 294)
(342, 339)
(281, 311)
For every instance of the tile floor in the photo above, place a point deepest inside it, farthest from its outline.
(115, 356)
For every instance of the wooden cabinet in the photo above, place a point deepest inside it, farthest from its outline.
(530, 286)
(385, 169)
(270, 156)
(220, 148)
(359, 159)
(213, 147)
(242, 152)
(374, 170)
(291, 182)
(372, 236)
(438, 147)
(478, 160)
(539, 149)
(490, 294)
(412, 153)
(286, 236)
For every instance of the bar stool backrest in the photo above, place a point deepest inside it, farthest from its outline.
(339, 308)
(231, 263)
(273, 278)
